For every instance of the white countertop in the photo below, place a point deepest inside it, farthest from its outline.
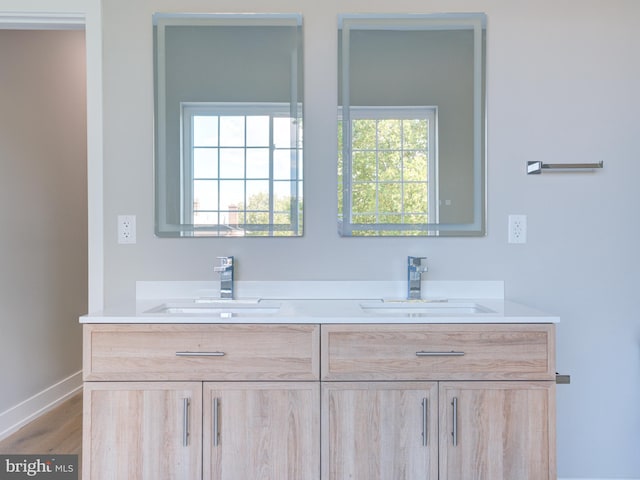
(320, 303)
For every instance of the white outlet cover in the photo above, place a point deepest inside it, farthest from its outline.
(126, 229)
(517, 229)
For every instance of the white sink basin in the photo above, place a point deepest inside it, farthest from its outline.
(424, 308)
(219, 307)
(227, 301)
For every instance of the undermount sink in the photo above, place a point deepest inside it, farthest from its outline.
(423, 308)
(221, 307)
(227, 301)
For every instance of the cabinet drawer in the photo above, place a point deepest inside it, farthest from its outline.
(201, 352)
(438, 352)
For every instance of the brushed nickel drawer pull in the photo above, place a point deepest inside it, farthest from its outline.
(452, 353)
(454, 433)
(425, 425)
(185, 422)
(216, 425)
(199, 354)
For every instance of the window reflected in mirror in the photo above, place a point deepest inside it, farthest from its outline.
(240, 169)
(392, 164)
(228, 125)
(411, 125)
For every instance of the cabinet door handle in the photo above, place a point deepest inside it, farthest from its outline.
(454, 432)
(216, 425)
(452, 353)
(425, 424)
(199, 354)
(185, 422)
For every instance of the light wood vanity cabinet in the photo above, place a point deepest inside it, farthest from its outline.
(218, 418)
(329, 402)
(496, 420)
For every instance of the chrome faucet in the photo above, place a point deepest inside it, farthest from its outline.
(415, 268)
(225, 269)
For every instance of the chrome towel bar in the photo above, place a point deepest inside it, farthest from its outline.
(536, 167)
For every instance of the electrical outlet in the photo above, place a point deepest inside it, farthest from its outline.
(126, 229)
(517, 229)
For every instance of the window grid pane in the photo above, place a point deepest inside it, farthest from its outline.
(241, 179)
(389, 170)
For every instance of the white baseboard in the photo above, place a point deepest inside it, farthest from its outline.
(19, 415)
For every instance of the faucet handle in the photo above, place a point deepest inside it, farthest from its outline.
(225, 263)
(418, 264)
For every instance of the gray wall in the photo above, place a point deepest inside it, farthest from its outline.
(43, 209)
(563, 79)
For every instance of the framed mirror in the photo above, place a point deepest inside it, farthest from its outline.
(411, 125)
(228, 125)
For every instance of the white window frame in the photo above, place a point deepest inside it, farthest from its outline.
(273, 110)
(429, 113)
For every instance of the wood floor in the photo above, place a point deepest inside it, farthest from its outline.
(58, 431)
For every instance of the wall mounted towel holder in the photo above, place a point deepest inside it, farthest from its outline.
(536, 167)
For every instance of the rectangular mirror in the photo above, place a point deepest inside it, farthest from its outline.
(228, 124)
(411, 125)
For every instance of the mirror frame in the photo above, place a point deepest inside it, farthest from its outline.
(164, 228)
(449, 21)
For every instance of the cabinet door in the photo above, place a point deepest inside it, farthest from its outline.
(379, 431)
(497, 430)
(142, 430)
(260, 431)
